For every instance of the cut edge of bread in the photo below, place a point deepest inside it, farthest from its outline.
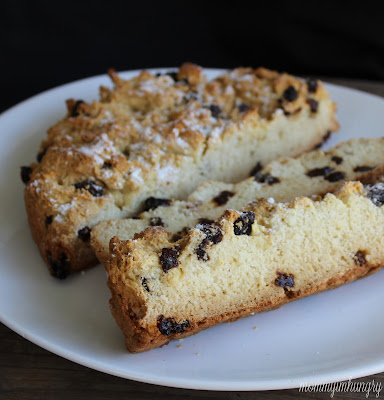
(134, 309)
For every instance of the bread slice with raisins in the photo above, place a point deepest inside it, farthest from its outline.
(312, 173)
(160, 135)
(248, 261)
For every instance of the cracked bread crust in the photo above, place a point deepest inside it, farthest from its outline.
(162, 135)
(306, 175)
(291, 251)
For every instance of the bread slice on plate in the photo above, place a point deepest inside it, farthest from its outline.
(161, 135)
(316, 172)
(248, 261)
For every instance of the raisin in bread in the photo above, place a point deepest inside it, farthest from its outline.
(317, 172)
(160, 136)
(247, 262)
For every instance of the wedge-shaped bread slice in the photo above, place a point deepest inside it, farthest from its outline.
(160, 135)
(247, 262)
(312, 173)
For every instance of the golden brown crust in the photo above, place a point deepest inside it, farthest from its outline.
(132, 143)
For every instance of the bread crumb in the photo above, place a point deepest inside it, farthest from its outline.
(197, 353)
(179, 345)
(255, 327)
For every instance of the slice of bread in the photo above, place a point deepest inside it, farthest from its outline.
(161, 136)
(247, 262)
(317, 172)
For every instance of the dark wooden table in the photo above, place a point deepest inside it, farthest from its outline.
(29, 372)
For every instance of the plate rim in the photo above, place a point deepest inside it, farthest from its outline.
(191, 383)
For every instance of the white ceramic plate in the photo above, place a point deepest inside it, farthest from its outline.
(328, 337)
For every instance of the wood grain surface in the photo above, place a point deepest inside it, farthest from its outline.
(28, 372)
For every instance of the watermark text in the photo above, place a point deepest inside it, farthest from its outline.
(371, 387)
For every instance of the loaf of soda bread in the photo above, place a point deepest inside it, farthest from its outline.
(160, 135)
(246, 262)
(316, 172)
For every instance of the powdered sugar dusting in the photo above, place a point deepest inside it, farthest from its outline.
(35, 184)
(100, 151)
(108, 117)
(181, 143)
(246, 78)
(151, 87)
(62, 209)
(216, 132)
(157, 119)
(59, 219)
(166, 173)
(278, 111)
(106, 174)
(135, 176)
